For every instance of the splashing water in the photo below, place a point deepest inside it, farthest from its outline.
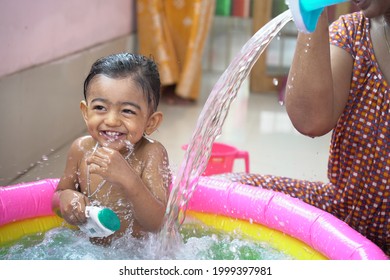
(209, 126)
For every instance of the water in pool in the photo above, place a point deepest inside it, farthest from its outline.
(199, 243)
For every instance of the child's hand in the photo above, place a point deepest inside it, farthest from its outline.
(72, 206)
(109, 164)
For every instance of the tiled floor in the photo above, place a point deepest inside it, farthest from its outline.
(256, 123)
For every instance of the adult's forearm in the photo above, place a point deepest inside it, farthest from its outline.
(309, 90)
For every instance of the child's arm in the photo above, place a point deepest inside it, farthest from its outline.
(156, 180)
(67, 201)
(318, 83)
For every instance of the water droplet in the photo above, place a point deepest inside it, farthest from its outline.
(275, 81)
(233, 249)
(45, 157)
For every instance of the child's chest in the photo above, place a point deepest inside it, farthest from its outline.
(97, 189)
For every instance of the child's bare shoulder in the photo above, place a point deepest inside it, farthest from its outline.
(150, 147)
(81, 145)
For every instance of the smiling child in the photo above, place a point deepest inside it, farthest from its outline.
(117, 165)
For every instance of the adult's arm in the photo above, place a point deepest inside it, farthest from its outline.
(318, 82)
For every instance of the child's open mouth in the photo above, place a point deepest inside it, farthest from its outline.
(112, 135)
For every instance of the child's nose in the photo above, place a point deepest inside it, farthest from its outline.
(112, 119)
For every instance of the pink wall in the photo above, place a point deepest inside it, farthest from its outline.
(35, 32)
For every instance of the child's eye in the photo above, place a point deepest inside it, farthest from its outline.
(98, 108)
(128, 111)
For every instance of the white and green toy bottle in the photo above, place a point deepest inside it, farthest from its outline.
(101, 222)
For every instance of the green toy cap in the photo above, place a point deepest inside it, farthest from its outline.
(109, 219)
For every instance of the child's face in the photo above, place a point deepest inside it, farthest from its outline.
(116, 112)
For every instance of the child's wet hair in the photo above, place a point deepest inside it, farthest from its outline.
(141, 69)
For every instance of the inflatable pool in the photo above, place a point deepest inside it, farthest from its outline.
(286, 223)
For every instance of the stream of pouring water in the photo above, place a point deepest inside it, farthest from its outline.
(209, 126)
